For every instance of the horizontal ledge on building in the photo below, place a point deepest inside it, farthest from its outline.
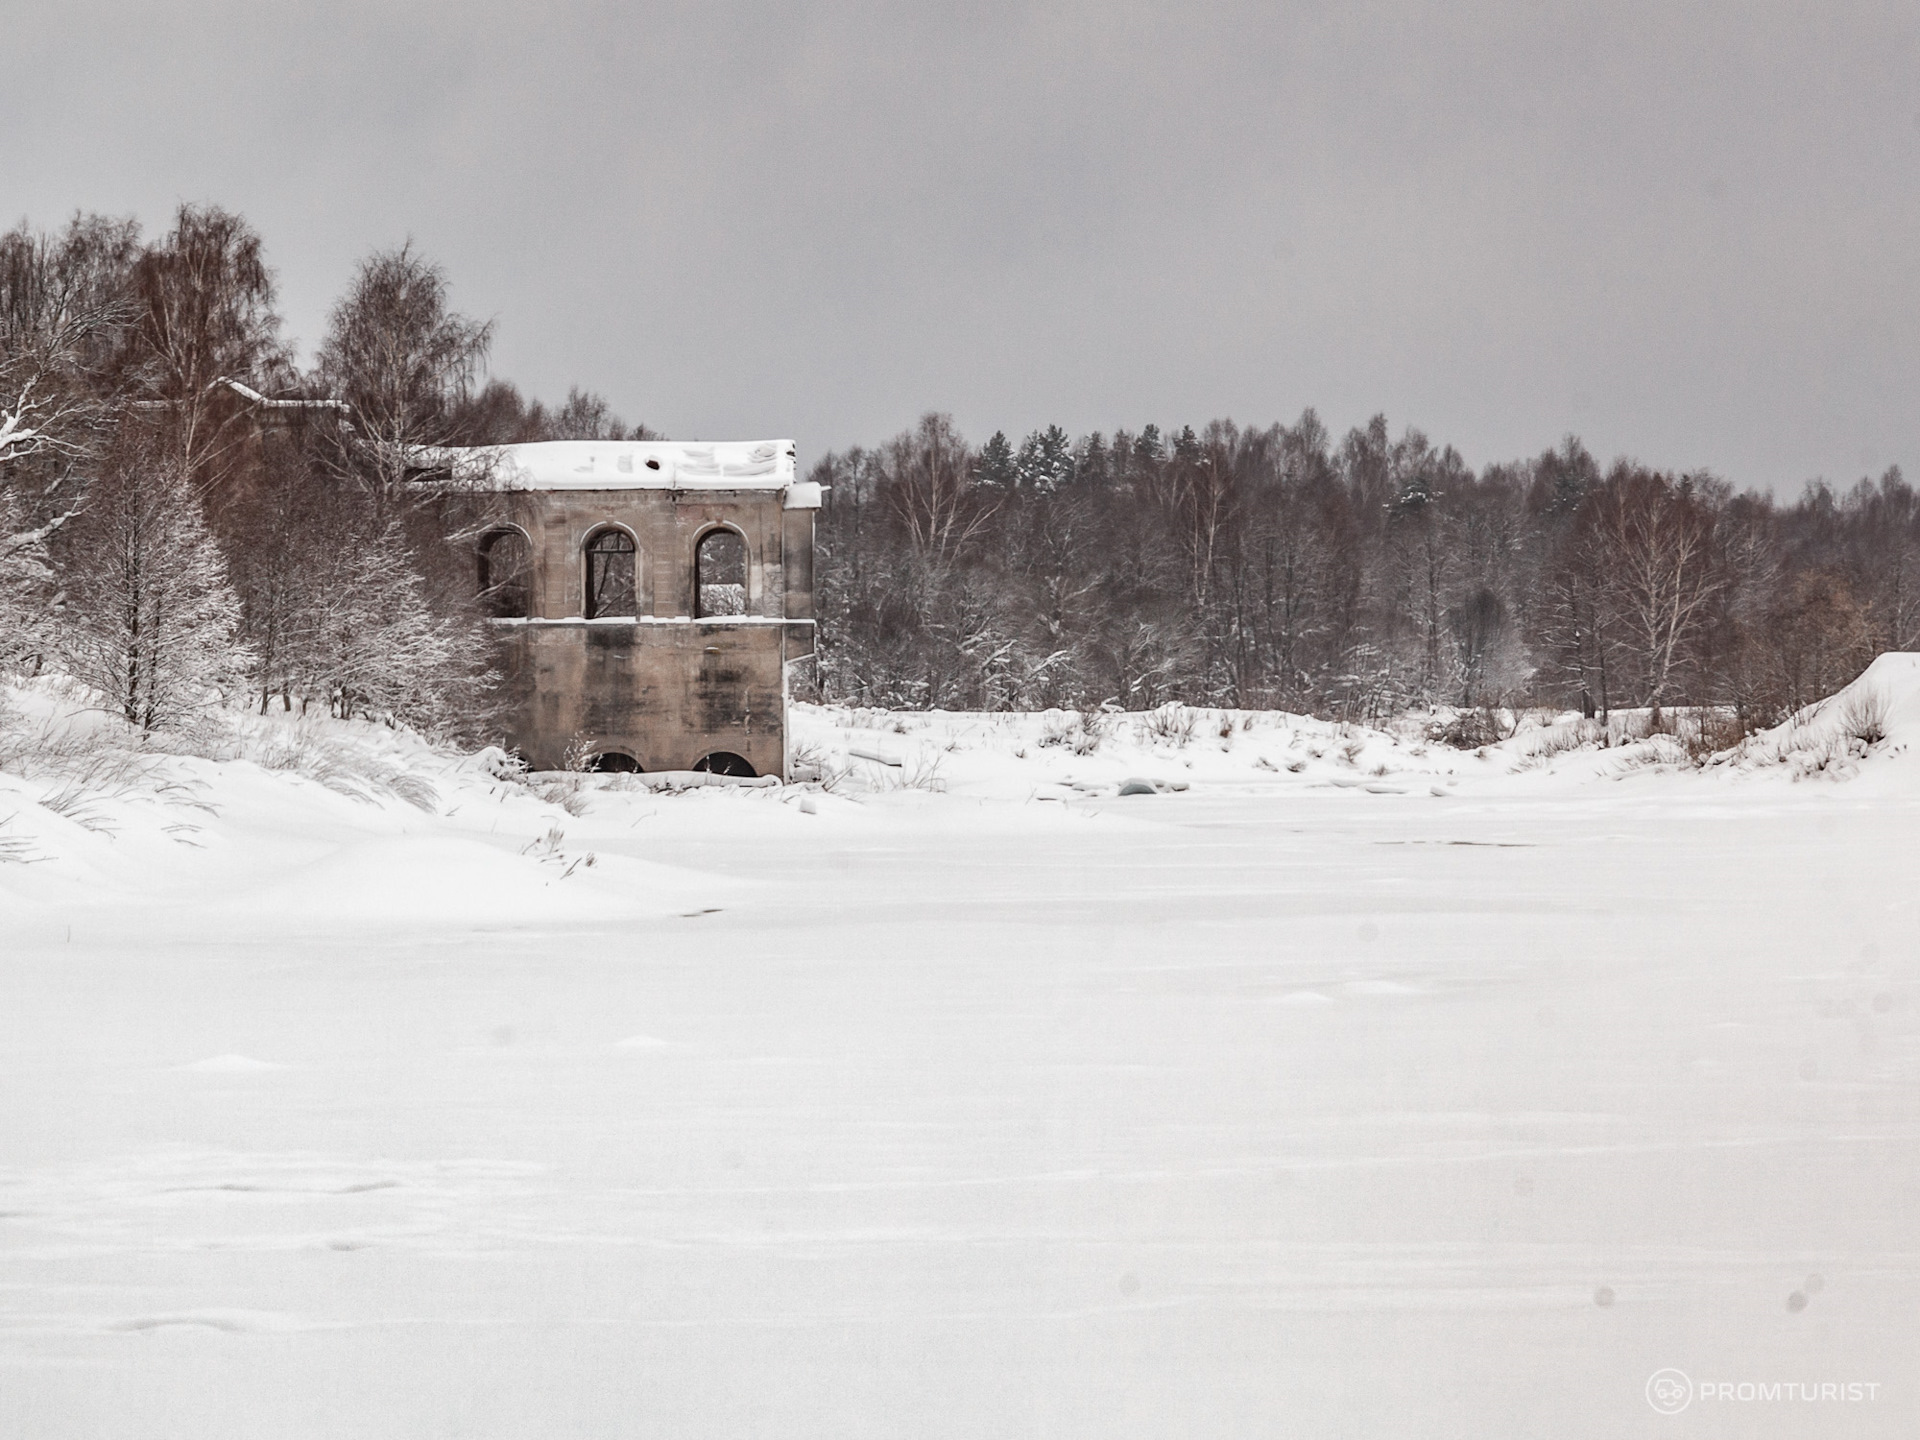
(605, 620)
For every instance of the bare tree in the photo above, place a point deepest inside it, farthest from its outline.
(154, 620)
(587, 416)
(404, 362)
(1650, 545)
(64, 302)
(205, 317)
(928, 484)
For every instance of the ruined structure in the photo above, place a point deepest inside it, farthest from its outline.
(652, 597)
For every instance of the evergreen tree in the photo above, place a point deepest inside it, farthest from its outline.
(1045, 462)
(1091, 466)
(996, 465)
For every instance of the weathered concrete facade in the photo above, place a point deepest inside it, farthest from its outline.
(660, 670)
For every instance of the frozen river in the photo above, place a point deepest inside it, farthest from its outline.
(1214, 1114)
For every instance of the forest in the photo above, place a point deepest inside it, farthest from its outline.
(189, 519)
(1356, 577)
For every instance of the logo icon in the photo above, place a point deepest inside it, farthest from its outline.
(1669, 1391)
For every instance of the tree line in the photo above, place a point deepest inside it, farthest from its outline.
(187, 515)
(1357, 576)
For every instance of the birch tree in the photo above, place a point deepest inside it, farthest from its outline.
(928, 485)
(205, 315)
(1650, 545)
(404, 361)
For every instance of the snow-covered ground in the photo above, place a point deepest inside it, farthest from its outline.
(1363, 1087)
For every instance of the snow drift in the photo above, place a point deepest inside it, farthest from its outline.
(1874, 719)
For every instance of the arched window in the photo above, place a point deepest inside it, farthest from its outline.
(506, 572)
(720, 575)
(610, 574)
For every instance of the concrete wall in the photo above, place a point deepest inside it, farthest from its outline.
(666, 526)
(664, 689)
(666, 694)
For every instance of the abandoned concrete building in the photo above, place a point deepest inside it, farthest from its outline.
(653, 598)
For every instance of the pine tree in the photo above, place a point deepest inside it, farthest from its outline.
(1091, 465)
(155, 620)
(1045, 462)
(996, 465)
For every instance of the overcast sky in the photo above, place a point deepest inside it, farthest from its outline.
(1684, 232)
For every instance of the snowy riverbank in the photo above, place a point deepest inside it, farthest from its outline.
(962, 1095)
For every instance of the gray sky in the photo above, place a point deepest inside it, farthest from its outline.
(1684, 232)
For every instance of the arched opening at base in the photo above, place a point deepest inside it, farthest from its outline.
(612, 762)
(725, 762)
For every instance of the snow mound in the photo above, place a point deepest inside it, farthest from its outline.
(229, 1065)
(1875, 718)
(434, 881)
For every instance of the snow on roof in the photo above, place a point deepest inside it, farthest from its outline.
(630, 465)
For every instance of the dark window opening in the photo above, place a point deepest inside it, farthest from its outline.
(720, 574)
(725, 762)
(609, 575)
(506, 573)
(612, 762)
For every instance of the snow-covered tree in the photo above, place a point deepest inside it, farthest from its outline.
(373, 645)
(63, 304)
(23, 584)
(153, 619)
(1045, 461)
